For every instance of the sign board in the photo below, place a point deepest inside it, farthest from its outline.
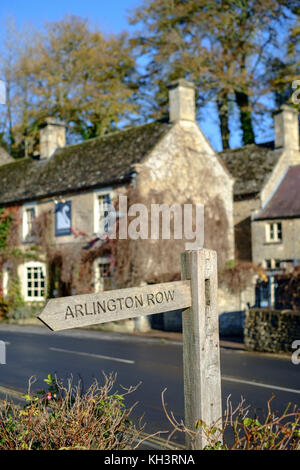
(89, 309)
(63, 218)
(196, 296)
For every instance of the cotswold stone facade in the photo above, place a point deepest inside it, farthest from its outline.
(61, 196)
(276, 223)
(266, 203)
(251, 166)
(276, 228)
(260, 172)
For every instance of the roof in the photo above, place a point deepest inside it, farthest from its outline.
(285, 202)
(99, 162)
(250, 166)
(5, 157)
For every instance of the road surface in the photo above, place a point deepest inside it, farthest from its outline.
(156, 363)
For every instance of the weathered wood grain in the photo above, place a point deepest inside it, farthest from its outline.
(83, 310)
(201, 352)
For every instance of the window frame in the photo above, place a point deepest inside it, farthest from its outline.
(98, 279)
(33, 264)
(273, 262)
(270, 260)
(27, 207)
(277, 263)
(97, 193)
(273, 227)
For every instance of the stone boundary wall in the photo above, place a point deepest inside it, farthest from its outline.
(271, 330)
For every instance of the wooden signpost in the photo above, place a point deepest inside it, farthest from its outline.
(196, 295)
(83, 310)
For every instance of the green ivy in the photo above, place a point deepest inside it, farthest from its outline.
(5, 225)
(14, 295)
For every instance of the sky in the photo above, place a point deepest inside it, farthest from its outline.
(111, 17)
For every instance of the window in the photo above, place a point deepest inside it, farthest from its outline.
(268, 264)
(103, 274)
(274, 232)
(34, 281)
(29, 214)
(277, 263)
(272, 263)
(103, 202)
(102, 208)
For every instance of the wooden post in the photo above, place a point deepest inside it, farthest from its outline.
(197, 295)
(201, 351)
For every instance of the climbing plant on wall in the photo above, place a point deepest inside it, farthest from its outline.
(9, 222)
(5, 225)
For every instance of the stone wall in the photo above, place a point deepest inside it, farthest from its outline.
(242, 210)
(271, 330)
(288, 248)
(185, 168)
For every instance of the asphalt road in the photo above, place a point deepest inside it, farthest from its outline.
(156, 363)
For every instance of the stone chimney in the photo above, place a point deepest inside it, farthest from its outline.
(286, 128)
(182, 101)
(52, 137)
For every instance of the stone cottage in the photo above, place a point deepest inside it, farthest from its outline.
(266, 199)
(66, 190)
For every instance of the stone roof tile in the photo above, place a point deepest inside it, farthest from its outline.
(96, 162)
(250, 166)
(285, 202)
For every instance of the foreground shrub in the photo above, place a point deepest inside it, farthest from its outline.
(242, 429)
(65, 417)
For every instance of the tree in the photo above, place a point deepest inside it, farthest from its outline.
(222, 45)
(15, 44)
(285, 70)
(77, 75)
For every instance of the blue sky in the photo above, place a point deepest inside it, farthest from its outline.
(110, 17)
